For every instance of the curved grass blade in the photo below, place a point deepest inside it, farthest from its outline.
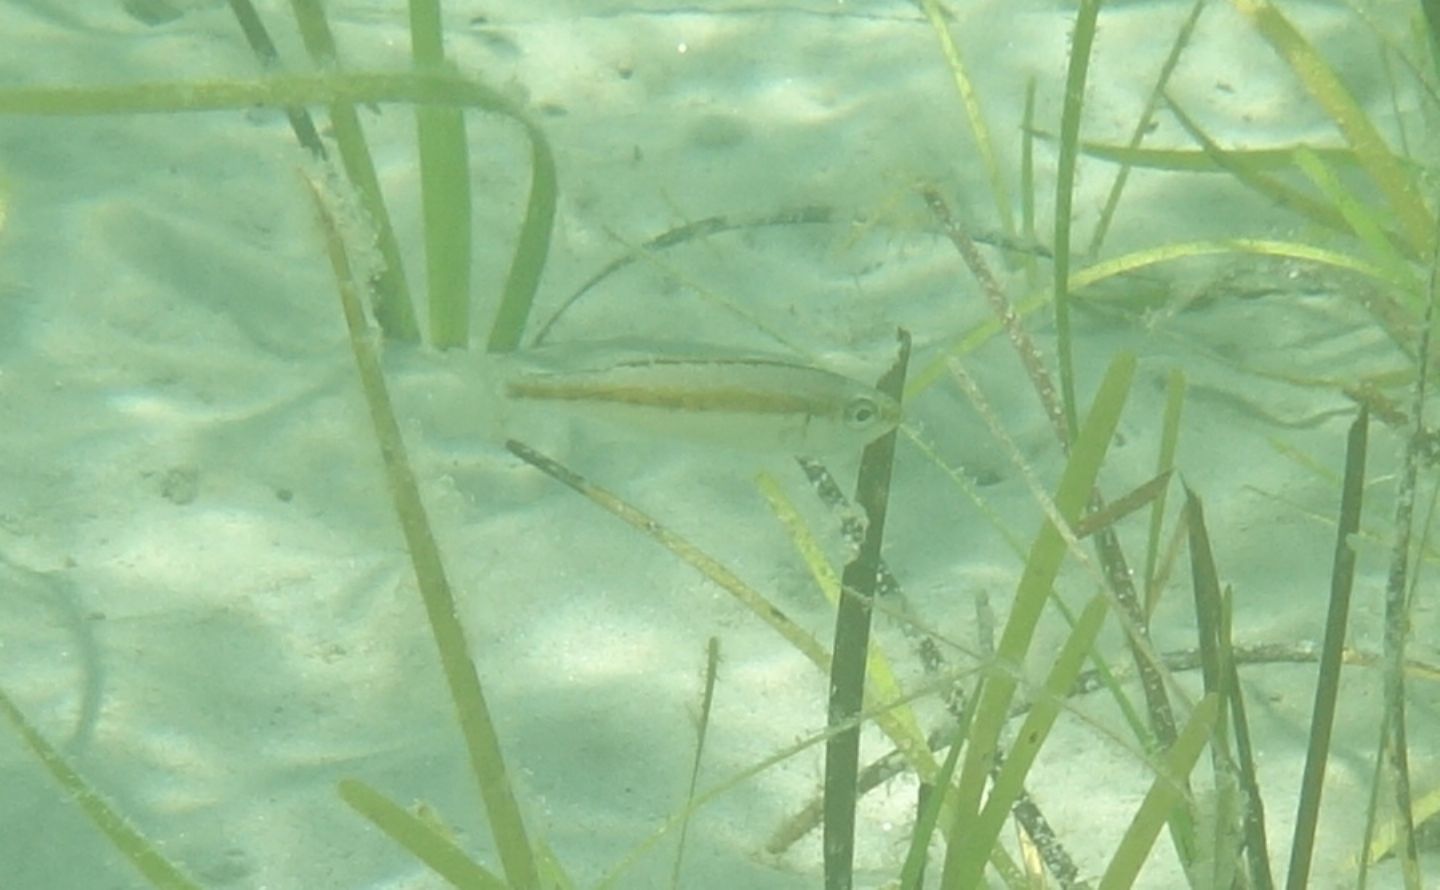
(702, 228)
(1395, 321)
(134, 846)
(438, 88)
(271, 91)
(1262, 247)
(1394, 317)
(531, 252)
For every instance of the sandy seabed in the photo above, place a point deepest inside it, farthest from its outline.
(204, 596)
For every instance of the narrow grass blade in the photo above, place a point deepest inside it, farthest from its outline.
(532, 248)
(1164, 463)
(612, 877)
(1431, 9)
(899, 723)
(394, 310)
(1115, 576)
(1009, 782)
(803, 641)
(1206, 584)
(1327, 687)
(912, 873)
(969, 342)
(1325, 86)
(419, 837)
(1137, 498)
(1082, 38)
(678, 235)
(1144, 124)
(264, 48)
(1167, 253)
(1387, 836)
(552, 874)
(134, 846)
(427, 33)
(1041, 568)
(1394, 737)
(1257, 845)
(444, 189)
(272, 91)
(984, 144)
(1237, 165)
(1165, 794)
(1239, 810)
(1360, 218)
(852, 642)
(445, 203)
(1373, 828)
(1004, 312)
(707, 699)
(1209, 623)
(1027, 176)
(1190, 160)
(482, 744)
(1395, 318)
(967, 487)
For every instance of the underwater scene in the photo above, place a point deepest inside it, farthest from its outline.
(744, 445)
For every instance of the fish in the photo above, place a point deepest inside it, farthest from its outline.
(701, 394)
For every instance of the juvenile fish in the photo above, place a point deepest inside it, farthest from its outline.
(747, 401)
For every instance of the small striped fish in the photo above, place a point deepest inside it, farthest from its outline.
(757, 402)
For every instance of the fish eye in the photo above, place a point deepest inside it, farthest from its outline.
(861, 412)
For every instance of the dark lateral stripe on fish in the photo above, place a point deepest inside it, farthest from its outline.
(722, 399)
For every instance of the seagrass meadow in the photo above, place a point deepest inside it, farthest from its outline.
(399, 416)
